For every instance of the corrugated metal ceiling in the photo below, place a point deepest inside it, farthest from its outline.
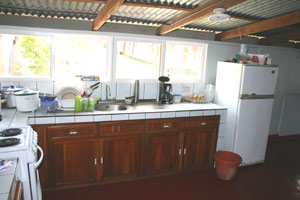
(256, 9)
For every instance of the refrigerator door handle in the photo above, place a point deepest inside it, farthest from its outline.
(255, 96)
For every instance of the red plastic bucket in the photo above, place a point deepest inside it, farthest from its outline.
(227, 164)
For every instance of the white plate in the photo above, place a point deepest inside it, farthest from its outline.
(67, 92)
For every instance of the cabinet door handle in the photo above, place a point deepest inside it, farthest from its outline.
(73, 132)
(101, 160)
(184, 151)
(166, 126)
(179, 151)
(203, 123)
(95, 161)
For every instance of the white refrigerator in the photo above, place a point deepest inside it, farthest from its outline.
(248, 93)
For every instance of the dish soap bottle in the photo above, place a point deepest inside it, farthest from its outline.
(77, 104)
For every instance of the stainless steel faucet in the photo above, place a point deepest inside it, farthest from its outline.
(108, 93)
(136, 91)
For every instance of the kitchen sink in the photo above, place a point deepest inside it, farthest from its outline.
(110, 107)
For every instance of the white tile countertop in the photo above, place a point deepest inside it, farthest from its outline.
(7, 180)
(13, 118)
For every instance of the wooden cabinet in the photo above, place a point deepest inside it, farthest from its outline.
(163, 146)
(200, 142)
(120, 149)
(73, 153)
(85, 153)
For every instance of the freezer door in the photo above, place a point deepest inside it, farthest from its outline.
(259, 80)
(252, 129)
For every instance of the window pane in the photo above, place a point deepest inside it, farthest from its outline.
(31, 56)
(184, 62)
(78, 56)
(137, 60)
(6, 43)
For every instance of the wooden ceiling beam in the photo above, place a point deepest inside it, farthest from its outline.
(148, 5)
(276, 39)
(265, 25)
(138, 4)
(195, 14)
(109, 8)
(243, 18)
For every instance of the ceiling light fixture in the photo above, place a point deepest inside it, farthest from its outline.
(219, 16)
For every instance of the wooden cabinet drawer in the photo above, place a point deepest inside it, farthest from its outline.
(122, 128)
(202, 122)
(72, 131)
(162, 125)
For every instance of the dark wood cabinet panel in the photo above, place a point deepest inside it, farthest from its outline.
(120, 157)
(162, 153)
(73, 161)
(122, 128)
(164, 125)
(80, 154)
(200, 142)
(84, 130)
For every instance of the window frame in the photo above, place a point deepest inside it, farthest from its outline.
(108, 39)
(131, 39)
(203, 61)
(111, 39)
(12, 54)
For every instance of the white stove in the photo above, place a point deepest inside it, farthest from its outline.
(26, 150)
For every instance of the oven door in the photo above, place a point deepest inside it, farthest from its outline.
(36, 190)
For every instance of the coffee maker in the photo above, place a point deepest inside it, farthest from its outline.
(165, 91)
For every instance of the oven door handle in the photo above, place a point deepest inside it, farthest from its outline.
(37, 164)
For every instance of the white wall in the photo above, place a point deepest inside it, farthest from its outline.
(288, 59)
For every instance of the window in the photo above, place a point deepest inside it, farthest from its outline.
(25, 55)
(184, 61)
(79, 56)
(138, 60)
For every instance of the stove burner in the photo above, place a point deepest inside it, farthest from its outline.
(10, 132)
(9, 142)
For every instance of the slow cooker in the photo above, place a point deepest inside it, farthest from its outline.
(27, 100)
(9, 95)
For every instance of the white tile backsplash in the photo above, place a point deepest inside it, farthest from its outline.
(199, 88)
(137, 116)
(46, 87)
(223, 115)
(220, 144)
(151, 90)
(222, 129)
(167, 115)
(112, 86)
(196, 113)
(87, 118)
(28, 84)
(190, 87)
(182, 114)
(45, 120)
(123, 90)
(119, 117)
(102, 118)
(9, 83)
(66, 119)
(209, 112)
(177, 87)
(152, 115)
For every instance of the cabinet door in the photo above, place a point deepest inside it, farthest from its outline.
(200, 146)
(162, 153)
(73, 161)
(120, 157)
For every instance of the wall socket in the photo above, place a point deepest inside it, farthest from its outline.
(186, 89)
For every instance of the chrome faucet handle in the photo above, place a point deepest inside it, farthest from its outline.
(108, 92)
